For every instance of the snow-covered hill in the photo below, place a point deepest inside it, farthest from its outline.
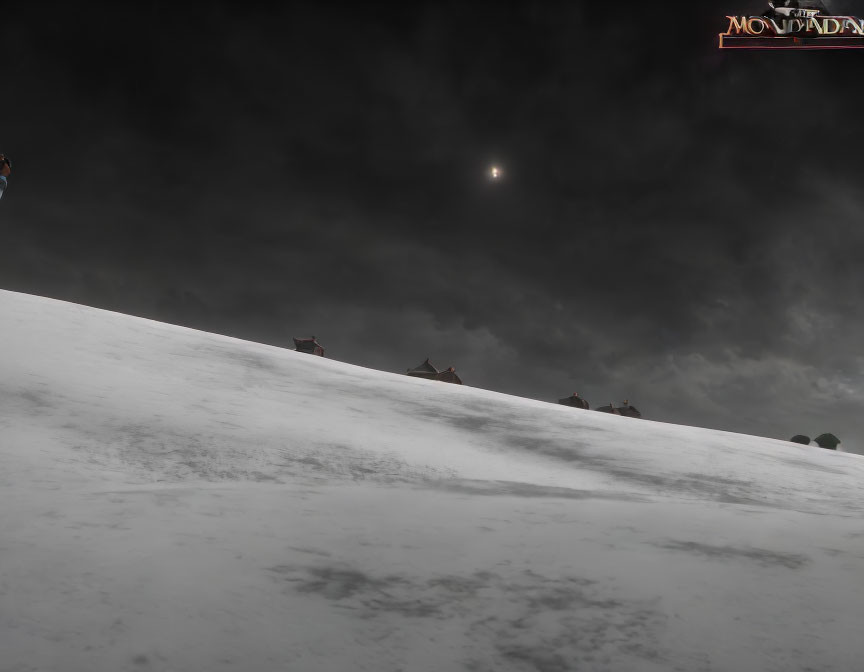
(177, 500)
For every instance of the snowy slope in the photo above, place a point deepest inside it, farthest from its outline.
(177, 500)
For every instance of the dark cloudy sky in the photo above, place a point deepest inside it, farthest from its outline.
(679, 226)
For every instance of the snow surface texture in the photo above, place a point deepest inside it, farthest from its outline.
(177, 500)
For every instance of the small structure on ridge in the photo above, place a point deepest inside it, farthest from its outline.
(624, 409)
(575, 401)
(429, 372)
(308, 345)
(449, 376)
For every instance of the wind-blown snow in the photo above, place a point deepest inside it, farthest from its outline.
(177, 500)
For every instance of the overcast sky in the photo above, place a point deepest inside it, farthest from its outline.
(676, 225)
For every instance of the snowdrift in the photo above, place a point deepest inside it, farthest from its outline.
(178, 500)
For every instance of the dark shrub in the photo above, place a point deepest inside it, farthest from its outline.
(828, 441)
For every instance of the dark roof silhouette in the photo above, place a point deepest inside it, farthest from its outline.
(429, 372)
(308, 345)
(624, 409)
(630, 411)
(424, 370)
(575, 401)
(449, 376)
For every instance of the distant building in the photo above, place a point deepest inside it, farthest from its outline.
(425, 370)
(624, 409)
(308, 345)
(575, 401)
(449, 376)
(429, 372)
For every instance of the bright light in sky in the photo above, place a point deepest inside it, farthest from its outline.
(495, 172)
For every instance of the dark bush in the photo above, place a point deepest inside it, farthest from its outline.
(800, 438)
(828, 441)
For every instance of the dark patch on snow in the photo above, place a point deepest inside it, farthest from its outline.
(465, 585)
(568, 450)
(35, 402)
(341, 583)
(488, 418)
(311, 461)
(759, 555)
(337, 583)
(541, 659)
(35, 398)
(341, 462)
(807, 464)
(517, 489)
(719, 479)
(530, 621)
(260, 477)
(469, 422)
(310, 551)
(578, 450)
(724, 490)
(245, 358)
